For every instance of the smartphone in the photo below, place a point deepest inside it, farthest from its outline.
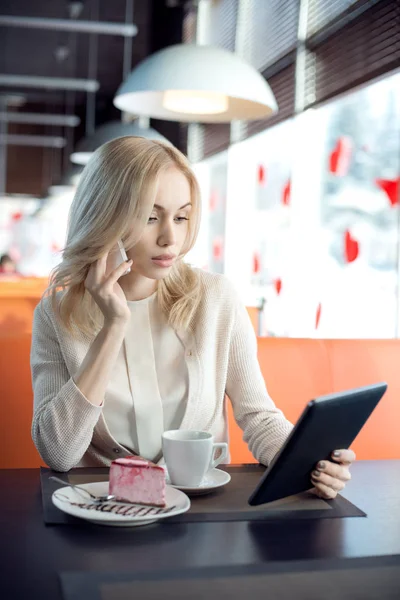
(118, 256)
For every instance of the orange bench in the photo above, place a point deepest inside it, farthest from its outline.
(17, 302)
(298, 370)
(295, 371)
(16, 406)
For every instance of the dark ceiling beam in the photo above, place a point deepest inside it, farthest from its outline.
(40, 119)
(49, 83)
(44, 141)
(99, 27)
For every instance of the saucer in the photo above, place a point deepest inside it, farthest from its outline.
(70, 501)
(212, 480)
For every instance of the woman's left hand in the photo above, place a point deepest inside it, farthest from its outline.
(329, 478)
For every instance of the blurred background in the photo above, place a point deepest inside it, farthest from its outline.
(300, 209)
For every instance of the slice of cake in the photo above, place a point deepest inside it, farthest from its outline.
(137, 480)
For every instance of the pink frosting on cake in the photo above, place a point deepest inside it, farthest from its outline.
(136, 461)
(137, 480)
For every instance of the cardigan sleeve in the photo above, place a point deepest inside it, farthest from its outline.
(264, 426)
(63, 419)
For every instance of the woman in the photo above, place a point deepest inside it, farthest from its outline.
(8, 267)
(121, 354)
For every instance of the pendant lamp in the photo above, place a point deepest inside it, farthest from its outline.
(204, 84)
(106, 133)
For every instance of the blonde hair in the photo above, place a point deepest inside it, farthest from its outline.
(117, 188)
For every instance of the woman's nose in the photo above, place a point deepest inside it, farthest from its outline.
(167, 235)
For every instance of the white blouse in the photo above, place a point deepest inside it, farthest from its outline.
(148, 389)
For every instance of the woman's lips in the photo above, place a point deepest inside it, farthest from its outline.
(164, 261)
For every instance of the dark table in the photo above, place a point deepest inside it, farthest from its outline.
(32, 554)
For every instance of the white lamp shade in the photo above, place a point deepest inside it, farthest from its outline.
(110, 131)
(60, 190)
(196, 83)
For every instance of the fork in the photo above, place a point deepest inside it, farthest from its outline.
(79, 489)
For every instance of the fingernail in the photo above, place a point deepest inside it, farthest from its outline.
(315, 474)
(336, 454)
(321, 465)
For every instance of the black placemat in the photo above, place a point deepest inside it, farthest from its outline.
(372, 578)
(229, 503)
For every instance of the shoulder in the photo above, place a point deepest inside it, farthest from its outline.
(46, 309)
(45, 313)
(48, 325)
(218, 294)
(215, 284)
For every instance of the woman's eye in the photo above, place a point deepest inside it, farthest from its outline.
(177, 219)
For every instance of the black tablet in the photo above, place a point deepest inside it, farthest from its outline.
(326, 424)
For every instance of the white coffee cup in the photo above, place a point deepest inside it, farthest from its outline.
(190, 454)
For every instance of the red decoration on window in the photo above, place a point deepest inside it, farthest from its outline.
(256, 263)
(351, 247)
(262, 175)
(278, 285)
(16, 216)
(391, 187)
(217, 249)
(55, 247)
(213, 203)
(318, 315)
(340, 157)
(286, 193)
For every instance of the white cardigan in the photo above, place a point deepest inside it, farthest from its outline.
(221, 358)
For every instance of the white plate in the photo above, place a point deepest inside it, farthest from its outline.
(212, 480)
(66, 499)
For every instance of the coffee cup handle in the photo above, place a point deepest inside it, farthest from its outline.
(224, 454)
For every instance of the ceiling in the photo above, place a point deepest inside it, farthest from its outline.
(49, 53)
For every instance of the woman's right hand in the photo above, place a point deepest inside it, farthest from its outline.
(106, 291)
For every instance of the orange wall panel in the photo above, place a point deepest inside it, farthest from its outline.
(298, 370)
(17, 302)
(355, 363)
(16, 446)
